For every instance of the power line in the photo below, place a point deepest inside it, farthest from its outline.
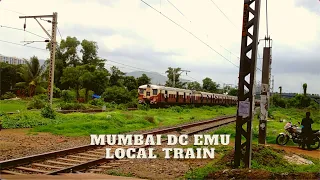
(9, 42)
(223, 13)
(59, 33)
(178, 10)
(189, 33)
(22, 30)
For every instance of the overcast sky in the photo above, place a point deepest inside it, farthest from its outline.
(132, 33)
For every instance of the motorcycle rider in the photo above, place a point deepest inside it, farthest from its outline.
(306, 130)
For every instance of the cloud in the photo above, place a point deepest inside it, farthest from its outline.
(132, 33)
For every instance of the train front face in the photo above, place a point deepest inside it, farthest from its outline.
(148, 94)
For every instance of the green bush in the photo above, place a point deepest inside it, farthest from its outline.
(97, 102)
(278, 101)
(8, 95)
(68, 96)
(145, 107)
(116, 94)
(72, 106)
(56, 92)
(37, 102)
(177, 109)
(48, 112)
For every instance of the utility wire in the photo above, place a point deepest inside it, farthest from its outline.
(9, 42)
(189, 33)
(59, 33)
(178, 10)
(223, 13)
(22, 30)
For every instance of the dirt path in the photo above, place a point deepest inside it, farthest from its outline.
(16, 143)
(297, 150)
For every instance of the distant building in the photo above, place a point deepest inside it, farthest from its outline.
(12, 60)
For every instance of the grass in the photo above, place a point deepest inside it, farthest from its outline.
(263, 158)
(114, 122)
(13, 105)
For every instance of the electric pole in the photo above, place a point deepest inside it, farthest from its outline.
(265, 92)
(246, 91)
(52, 48)
(174, 75)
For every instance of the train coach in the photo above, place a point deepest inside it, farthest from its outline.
(163, 96)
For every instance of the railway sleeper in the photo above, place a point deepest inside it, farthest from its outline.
(46, 166)
(31, 169)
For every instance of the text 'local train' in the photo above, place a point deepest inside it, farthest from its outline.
(162, 96)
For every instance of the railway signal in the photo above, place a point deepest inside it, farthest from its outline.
(246, 92)
(53, 41)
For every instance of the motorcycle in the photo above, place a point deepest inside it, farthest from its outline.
(294, 132)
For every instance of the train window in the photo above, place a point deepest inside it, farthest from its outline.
(141, 91)
(155, 91)
(148, 93)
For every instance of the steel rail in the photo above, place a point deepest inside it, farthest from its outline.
(34, 158)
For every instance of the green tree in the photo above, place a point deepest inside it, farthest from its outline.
(130, 83)
(143, 79)
(233, 92)
(71, 77)
(173, 73)
(305, 86)
(90, 53)
(32, 76)
(9, 77)
(116, 76)
(116, 94)
(69, 50)
(194, 86)
(209, 85)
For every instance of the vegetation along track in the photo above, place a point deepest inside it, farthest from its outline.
(81, 158)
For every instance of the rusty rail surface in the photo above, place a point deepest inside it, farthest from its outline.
(93, 154)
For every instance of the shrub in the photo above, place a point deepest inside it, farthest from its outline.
(116, 94)
(132, 104)
(56, 92)
(8, 95)
(68, 96)
(97, 102)
(144, 107)
(48, 112)
(37, 102)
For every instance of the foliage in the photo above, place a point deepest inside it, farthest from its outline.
(144, 107)
(143, 79)
(67, 96)
(130, 83)
(116, 94)
(173, 73)
(116, 76)
(48, 112)
(97, 102)
(32, 75)
(24, 120)
(278, 101)
(8, 95)
(194, 86)
(9, 77)
(233, 92)
(37, 102)
(56, 92)
(209, 85)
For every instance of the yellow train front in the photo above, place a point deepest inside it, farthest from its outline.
(164, 96)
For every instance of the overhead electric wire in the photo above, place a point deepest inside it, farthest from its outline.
(9, 42)
(224, 14)
(189, 32)
(178, 10)
(59, 33)
(22, 30)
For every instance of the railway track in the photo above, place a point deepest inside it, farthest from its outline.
(84, 157)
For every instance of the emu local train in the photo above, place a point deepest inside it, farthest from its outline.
(162, 96)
